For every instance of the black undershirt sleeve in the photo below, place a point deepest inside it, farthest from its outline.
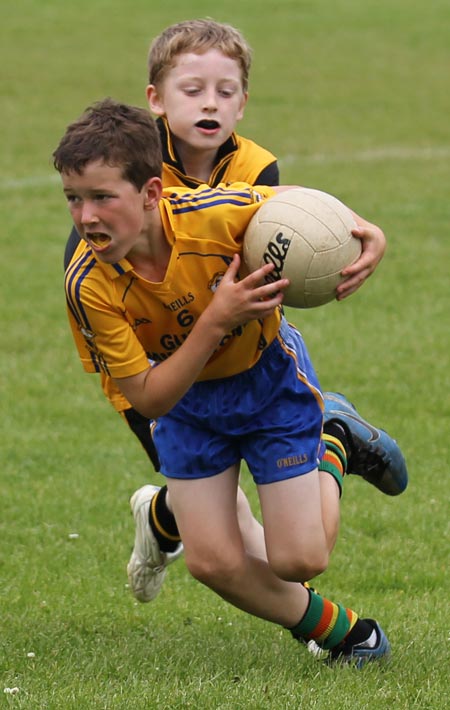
(71, 245)
(269, 176)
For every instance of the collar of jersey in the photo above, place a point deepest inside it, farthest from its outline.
(171, 157)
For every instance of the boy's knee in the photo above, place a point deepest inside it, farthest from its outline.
(216, 573)
(301, 567)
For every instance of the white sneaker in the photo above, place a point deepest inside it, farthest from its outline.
(147, 566)
(315, 649)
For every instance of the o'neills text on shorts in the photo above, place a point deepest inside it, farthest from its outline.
(288, 461)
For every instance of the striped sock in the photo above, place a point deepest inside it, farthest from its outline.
(325, 622)
(334, 460)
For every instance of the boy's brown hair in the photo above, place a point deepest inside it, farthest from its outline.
(197, 36)
(120, 135)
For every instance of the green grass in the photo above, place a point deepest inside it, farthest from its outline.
(354, 99)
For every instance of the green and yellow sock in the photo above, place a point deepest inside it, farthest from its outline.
(334, 460)
(327, 623)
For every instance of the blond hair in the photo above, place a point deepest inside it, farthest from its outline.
(197, 36)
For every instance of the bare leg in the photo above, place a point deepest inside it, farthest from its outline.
(252, 531)
(215, 554)
(296, 540)
(331, 507)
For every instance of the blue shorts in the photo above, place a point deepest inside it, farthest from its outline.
(270, 416)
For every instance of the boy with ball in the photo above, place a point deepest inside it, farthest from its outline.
(198, 88)
(224, 376)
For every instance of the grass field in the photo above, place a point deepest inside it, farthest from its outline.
(353, 98)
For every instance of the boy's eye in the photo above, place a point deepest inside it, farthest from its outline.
(74, 199)
(190, 88)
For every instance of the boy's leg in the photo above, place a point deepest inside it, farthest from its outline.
(148, 560)
(386, 463)
(331, 508)
(353, 446)
(140, 426)
(216, 556)
(158, 543)
(252, 531)
(295, 532)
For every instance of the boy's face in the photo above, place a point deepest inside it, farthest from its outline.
(108, 211)
(202, 98)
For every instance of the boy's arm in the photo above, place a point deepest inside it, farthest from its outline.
(156, 390)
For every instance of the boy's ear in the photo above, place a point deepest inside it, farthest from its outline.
(242, 106)
(155, 102)
(152, 193)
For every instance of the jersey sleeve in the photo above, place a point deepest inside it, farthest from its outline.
(104, 337)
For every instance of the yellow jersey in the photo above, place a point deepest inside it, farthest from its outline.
(238, 159)
(120, 321)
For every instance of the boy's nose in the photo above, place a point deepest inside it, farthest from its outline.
(88, 215)
(210, 103)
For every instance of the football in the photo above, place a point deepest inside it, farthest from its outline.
(307, 235)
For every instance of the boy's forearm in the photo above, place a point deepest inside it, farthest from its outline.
(154, 392)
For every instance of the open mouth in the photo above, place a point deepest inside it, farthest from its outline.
(99, 239)
(208, 124)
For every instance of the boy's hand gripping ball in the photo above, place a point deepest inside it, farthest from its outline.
(307, 235)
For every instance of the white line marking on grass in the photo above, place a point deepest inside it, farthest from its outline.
(371, 155)
(32, 181)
